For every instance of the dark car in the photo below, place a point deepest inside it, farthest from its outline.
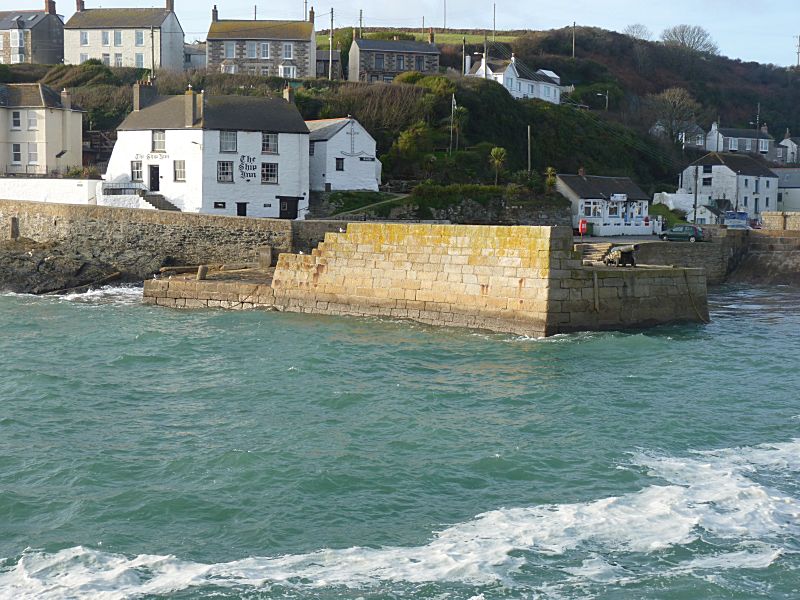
(683, 233)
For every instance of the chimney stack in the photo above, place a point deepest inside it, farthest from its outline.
(582, 172)
(214, 14)
(431, 38)
(765, 129)
(311, 15)
(170, 6)
(144, 92)
(66, 99)
(50, 7)
(288, 94)
(79, 6)
(788, 134)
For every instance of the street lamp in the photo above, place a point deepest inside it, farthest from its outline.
(601, 95)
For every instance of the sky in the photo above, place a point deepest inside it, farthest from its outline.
(759, 30)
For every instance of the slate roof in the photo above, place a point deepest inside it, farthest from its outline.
(21, 19)
(744, 133)
(325, 55)
(501, 66)
(26, 95)
(409, 46)
(590, 187)
(324, 129)
(788, 178)
(96, 18)
(230, 29)
(795, 140)
(235, 113)
(743, 164)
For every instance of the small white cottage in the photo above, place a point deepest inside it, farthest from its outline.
(613, 205)
(221, 155)
(343, 156)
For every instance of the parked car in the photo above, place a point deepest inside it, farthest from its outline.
(684, 233)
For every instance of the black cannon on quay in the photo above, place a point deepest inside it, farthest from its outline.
(621, 256)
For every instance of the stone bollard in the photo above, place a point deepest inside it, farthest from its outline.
(14, 229)
(264, 257)
(202, 272)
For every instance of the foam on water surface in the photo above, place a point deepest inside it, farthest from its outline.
(699, 498)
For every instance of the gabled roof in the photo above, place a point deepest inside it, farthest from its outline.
(794, 140)
(523, 72)
(788, 178)
(744, 164)
(744, 133)
(408, 46)
(27, 95)
(231, 29)
(590, 187)
(96, 18)
(325, 55)
(324, 129)
(21, 19)
(234, 113)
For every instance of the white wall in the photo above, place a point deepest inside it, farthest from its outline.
(168, 46)
(724, 185)
(56, 131)
(56, 191)
(172, 44)
(683, 200)
(361, 172)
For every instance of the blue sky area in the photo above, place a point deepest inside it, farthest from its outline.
(761, 30)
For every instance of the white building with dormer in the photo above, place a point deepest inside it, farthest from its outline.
(520, 81)
(220, 155)
(343, 156)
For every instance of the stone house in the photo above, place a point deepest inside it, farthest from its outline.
(343, 156)
(221, 155)
(383, 60)
(194, 56)
(323, 62)
(788, 189)
(520, 81)
(40, 130)
(742, 141)
(144, 38)
(740, 181)
(257, 47)
(32, 36)
(612, 205)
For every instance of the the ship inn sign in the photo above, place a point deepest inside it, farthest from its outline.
(248, 168)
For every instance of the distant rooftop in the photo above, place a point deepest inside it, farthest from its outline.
(231, 29)
(409, 46)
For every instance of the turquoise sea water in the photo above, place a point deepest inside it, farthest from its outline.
(148, 453)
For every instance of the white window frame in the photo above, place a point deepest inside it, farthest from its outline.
(269, 143)
(224, 171)
(264, 50)
(33, 153)
(229, 69)
(288, 71)
(733, 144)
(339, 162)
(288, 51)
(136, 169)
(105, 38)
(16, 39)
(16, 120)
(117, 38)
(748, 145)
(269, 173)
(106, 59)
(763, 146)
(159, 140)
(139, 38)
(228, 141)
(401, 63)
(252, 50)
(229, 49)
(16, 154)
(33, 120)
(84, 38)
(179, 170)
(139, 60)
(117, 59)
(265, 71)
(2, 42)
(83, 58)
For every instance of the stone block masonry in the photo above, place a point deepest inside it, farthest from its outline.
(520, 280)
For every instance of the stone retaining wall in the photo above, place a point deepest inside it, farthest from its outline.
(783, 221)
(773, 259)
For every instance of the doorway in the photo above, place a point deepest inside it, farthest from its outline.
(241, 209)
(155, 179)
(288, 207)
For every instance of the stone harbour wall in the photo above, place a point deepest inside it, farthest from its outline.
(773, 259)
(783, 221)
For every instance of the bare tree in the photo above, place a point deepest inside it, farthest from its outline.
(638, 32)
(690, 37)
(674, 112)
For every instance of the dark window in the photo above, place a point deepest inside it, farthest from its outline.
(420, 63)
(379, 62)
(707, 181)
(219, 205)
(708, 169)
(340, 164)
(311, 149)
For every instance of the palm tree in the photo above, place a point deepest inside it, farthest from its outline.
(497, 158)
(550, 177)
(460, 116)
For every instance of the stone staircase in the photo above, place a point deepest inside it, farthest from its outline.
(158, 201)
(593, 252)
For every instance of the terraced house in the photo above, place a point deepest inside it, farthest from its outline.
(32, 36)
(259, 47)
(383, 60)
(145, 38)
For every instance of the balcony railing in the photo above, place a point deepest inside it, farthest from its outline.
(125, 188)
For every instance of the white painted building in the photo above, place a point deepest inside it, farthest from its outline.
(613, 205)
(343, 156)
(40, 131)
(684, 201)
(740, 181)
(791, 149)
(788, 189)
(145, 38)
(520, 81)
(222, 155)
(757, 142)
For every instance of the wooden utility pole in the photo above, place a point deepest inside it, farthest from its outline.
(423, 25)
(152, 53)
(330, 51)
(485, 56)
(574, 24)
(798, 50)
(694, 217)
(445, 14)
(464, 55)
(494, 21)
(361, 23)
(529, 149)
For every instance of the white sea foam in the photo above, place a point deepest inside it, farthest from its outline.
(111, 294)
(708, 494)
